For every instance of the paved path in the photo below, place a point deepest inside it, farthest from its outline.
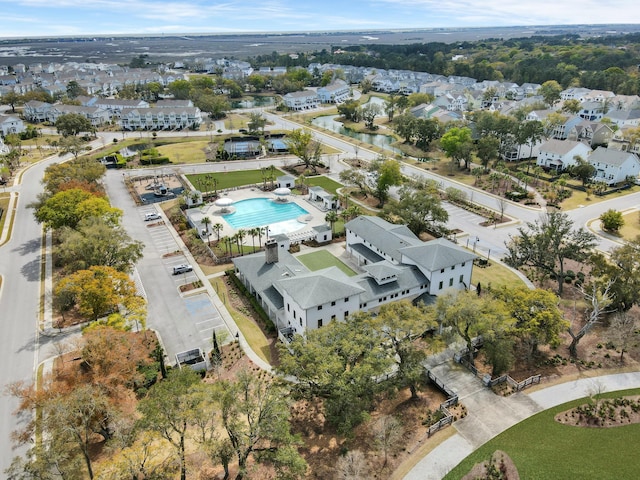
(490, 414)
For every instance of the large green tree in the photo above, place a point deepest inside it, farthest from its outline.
(546, 244)
(301, 144)
(458, 145)
(338, 363)
(255, 414)
(97, 242)
(419, 207)
(169, 410)
(401, 326)
(470, 316)
(71, 124)
(538, 318)
(388, 174)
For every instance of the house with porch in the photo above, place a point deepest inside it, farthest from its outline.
(394, 264)
(302, 100)
(560, 154)
(614, 166)
(11, 124)
(335, 92)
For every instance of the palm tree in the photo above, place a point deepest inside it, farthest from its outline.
(254, 233)
(206, 221)
(240, 238)
(335, 200)
(261, 231)
(331, 217)
(353, 211)
(217, 228)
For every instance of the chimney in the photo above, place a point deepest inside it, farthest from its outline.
(271, 251)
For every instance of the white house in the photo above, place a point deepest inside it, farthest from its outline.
(614, 166)
(303, 100)
(394, 265)
(335, 92)
(10, 124)
(561, 154)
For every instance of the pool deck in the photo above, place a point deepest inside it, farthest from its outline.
(215, 213)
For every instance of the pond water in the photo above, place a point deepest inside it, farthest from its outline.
(253, 101)
(379, 140)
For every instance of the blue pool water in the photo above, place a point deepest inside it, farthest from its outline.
(258, 212)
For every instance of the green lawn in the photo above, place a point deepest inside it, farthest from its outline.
(4, 205)
(180, 153)
(203, 181)
(323, 259)
(631, 228)
(328, 184)
(544, 449)
(495, 274)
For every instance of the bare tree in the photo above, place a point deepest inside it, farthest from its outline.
(623, 331)
(353, 466)
(600, 300)
(502, 206)
(387, 432)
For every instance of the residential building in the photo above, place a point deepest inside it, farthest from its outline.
(11, 124)
(160, 118)
(302, 100)
(561, 154)
(614, 166)
(336, 92)
(394, 265)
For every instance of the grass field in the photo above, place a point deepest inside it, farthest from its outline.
(4, 205)
(631, 227)
(323, 259)
(328, 184)
(252, 333)
(202, 181)
(543, 449)
(180, 153)
(497, 275)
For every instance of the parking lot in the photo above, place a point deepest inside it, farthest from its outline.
(201, 315)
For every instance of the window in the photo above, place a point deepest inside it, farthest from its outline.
(333, 317)
(440, 286)
(300, 321)
(451, 282)
(319, 307)
(333, 304)
(288, 307)
(461, 278)
(442, 270)
(453, 267)
(346, 314)
(463, 263)
(294, 314)
(319, 322)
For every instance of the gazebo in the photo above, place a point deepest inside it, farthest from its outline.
(282, 193)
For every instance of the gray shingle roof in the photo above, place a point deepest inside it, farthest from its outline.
(319, 287)
(438, 254)
(385, 236)
(611, 156)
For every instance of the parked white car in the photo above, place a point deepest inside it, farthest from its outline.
(182, 268)
(152, 216)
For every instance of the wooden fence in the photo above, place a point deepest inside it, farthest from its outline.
(452, 399)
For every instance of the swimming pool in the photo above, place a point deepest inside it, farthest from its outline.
(258, 212)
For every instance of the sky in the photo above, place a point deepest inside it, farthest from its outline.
(34, 18)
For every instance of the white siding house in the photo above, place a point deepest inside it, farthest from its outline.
(561, 154)
(614, 166)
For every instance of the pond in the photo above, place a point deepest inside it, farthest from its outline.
(253, 101)
(379, 140)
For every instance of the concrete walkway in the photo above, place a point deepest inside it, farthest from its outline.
(490, 414)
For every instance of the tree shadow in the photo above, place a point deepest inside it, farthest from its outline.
(29, 247)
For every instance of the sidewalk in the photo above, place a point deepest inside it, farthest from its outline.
(490, 414)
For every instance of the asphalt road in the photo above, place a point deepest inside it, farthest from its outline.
(19, 303)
